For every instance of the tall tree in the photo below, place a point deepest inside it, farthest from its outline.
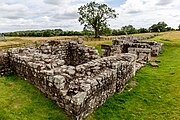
(179, 27)
(94, 16)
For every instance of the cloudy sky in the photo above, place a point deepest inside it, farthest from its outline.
(49, 14)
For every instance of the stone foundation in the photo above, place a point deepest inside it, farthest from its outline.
(73, 74)
(144, 50)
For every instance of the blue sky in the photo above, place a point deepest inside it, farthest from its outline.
(115, 3)
(50, 14)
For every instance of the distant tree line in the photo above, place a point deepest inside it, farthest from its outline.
(43, 33)
(125, 30)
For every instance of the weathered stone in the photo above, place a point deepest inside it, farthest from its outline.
(153, 64)
(48, 72)
(63, 92)
(60, 62)
(85, 87)
(78, 99)
(64, 67)
(66, 76)
(48, 66)
(50, 84)
(59, 79)
(88, 73)
(92, 82)
(157, 61)
(71, 70)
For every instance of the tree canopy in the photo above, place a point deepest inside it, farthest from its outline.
(94, 16)
(129, 29)
(160, 27)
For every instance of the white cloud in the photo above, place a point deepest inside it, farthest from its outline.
(144, 13)
(164, 2)
(57, 2)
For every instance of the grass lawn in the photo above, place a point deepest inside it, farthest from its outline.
(97, 44)
(156, 96)
(19, 100)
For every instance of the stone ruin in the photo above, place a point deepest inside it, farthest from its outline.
(145, 50)
(73, 74)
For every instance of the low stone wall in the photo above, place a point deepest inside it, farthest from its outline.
(69, 51)
(4, 66)
(133, 45)
(131, 38)
(73, 74)
(78, 87)
(156, 47)
(135, 41)
(144, 50)
(143, 54)
(109, 50)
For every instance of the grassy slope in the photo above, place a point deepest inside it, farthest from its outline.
(157, 95)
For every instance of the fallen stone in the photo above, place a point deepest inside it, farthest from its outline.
(154, 64)
(157, 61)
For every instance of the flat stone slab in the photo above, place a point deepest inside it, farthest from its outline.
(154, 64)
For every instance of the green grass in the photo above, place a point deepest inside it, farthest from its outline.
(97, 44)
(156, 96)
(19, 100)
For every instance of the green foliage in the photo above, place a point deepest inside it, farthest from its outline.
(179, 27)
(170, 29)
(94, 16)
(143, 30)
(129, 29)
(118, 32)
(43, 33)
(106, 31)
(160, 27)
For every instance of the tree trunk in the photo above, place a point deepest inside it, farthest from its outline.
(96, 33)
